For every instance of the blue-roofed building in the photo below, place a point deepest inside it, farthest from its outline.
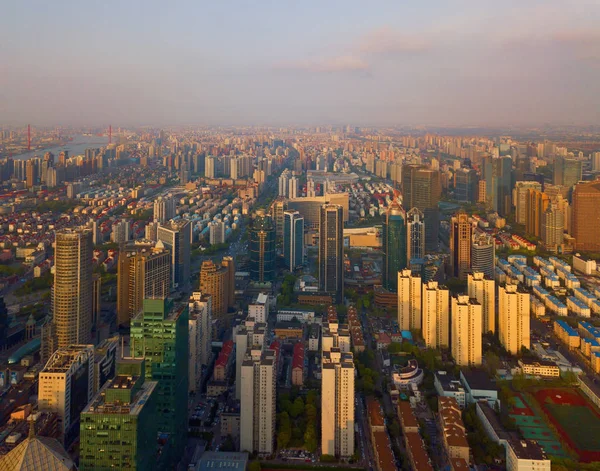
(555, 305)
(567, 334)
(222, 461)
(578, 307)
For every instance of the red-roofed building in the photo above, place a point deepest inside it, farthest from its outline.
(298, 365)
(223, 362)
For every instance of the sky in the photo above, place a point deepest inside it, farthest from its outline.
(311, 62)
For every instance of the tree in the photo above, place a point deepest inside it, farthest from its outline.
(254, 466)
(492, 362)
(311, 412)
(297, 408)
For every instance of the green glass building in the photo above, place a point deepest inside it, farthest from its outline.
(118, 427)
(394, 246)
(159, 334)
(262, 248)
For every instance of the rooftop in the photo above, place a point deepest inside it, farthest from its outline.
(478, 379)
(527, 450)
(99, 406)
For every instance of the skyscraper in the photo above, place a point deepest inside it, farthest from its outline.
(537, 203)
(460, 245)
(394, 246)
(262, 248)
(513, 318)
(73, 287)
(337, 404)
(483, 254)
(159, 334)
(409, 301)
(293, 239)
(567, 172)
(586, 216)
(278, 207)
(144, 271)
(436, 315)
(215, 280)
(258, 403)
(331, 251)
(177, 237)
(415, 235)
(466, 332)
(497, 173)
(521, 195)
(126, 407)
(553, 228)
(465, 185)
(421, 188)
(482, 289)
(200, 323)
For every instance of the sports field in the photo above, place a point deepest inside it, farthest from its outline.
(576, 420)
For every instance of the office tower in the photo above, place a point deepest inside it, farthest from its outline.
(415, 235)
(216, 234)
(200, 325)
(331, 251)
(460, 245)
(258, 403)
(513, 318)
(393, 245)
(73, 289)
(144, 272)
(537, 203)
(164, 209)
(465, 185)
(118, 427)
(521, 195)
(337, 404)
(421, 189)
(216, 281)
(262, 248)
(567, 172)
(553, 228)
(483, 254)
(482, 288)
(293, 239)
(466, 330)
(176, 237)
(409, 301)
(159, 334)
(66, 385)
(497, 173)
(436, 315)
(586, 216)
(210, 167)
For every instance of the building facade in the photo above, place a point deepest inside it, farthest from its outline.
(466, 331)
(436, 315)
(394, 245)
(177, 238)
(482, 289)
(409, 301)
(262, 248)
(513, 318)
(460, 245)
(293, 239)
(331, 251)
(415, 235)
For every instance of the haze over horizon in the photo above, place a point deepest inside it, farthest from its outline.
(464, 62)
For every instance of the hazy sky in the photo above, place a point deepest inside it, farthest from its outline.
(360, 62)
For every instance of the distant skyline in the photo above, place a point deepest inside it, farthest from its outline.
(459, 62)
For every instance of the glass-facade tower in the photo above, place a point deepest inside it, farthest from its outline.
(394, 246)
(293, 239)
(262, 248)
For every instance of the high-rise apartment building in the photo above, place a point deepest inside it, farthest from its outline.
(121, 232)
(293, 239)
(118, 427)
(337, 404)
(216, 232)
(461, 232)
(513, 318)
(216, 281)
(409, 301)
(567, 172)
(394, 245)
(144, 271)
(262, 248)
(200, 326)
(553, 228)
(177, 238)
(466, 331)
(73, 287)
(66, 385)
(331, 251)
(164, 209)
(520, 199)
(415, 235)
(537, 203)
(422, 188)
(586, 216)
(483, 254)
(436, 315)
(258, 403)
(159, 334)
(482, 288)
(278, 207)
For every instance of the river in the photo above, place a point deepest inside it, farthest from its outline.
(76, 147)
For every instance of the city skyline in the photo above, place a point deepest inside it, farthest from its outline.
(390, 64)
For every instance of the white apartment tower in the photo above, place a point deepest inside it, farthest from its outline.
(409, 300)
(483, 290)
(164, 208)
(200, 325)
(466, 331)
(436, 315)
(337, 404)
(513, 318)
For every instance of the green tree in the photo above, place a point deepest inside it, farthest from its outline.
(297, 408)
(254, 466)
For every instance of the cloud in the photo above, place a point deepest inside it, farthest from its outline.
(387, 41)
(347, 63)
